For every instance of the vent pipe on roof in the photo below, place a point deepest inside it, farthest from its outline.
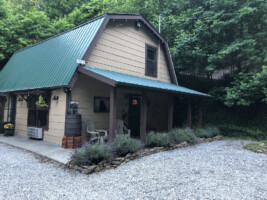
(159, 21)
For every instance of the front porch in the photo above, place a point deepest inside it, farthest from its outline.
(142, 108)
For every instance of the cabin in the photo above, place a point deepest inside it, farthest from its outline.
(116, 66)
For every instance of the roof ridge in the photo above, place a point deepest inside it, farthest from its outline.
(59, 34)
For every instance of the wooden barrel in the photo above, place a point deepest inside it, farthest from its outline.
(73, 125)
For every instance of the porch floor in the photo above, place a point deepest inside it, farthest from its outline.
(49, 150)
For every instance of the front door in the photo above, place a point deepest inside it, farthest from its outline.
(134, 115)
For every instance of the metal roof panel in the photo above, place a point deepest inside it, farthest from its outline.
(50, 63)
(126, 79)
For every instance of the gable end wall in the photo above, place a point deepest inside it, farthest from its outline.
(122, 48)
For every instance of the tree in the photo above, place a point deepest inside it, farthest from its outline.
(247, 89)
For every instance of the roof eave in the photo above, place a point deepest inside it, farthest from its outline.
(164, 90)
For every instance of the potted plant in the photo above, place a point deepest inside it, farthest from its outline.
(9, 129)
(40, 103)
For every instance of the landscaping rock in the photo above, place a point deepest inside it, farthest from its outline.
(98, 169)
(85, 171)
(183, 144)
(119, 158)
(128, 155)
(218, 137)
(115, 162)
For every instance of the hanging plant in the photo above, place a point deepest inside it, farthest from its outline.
(41, 102)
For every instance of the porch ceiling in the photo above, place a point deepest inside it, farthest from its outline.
(115, 78)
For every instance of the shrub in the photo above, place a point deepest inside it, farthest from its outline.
(183, 135)
(79, 157)
(202, 133)
(191, 136)
(242, 132)
(124, 145)
(207, 132)
(91, 154)
(213, 131)
(157, 139)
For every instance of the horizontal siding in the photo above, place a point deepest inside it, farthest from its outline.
(57, 112)
(6, 109)
(84, 91)
(21, 118)
(121, 48)
(56, 121)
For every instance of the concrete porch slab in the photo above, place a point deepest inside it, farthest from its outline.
(52, 151)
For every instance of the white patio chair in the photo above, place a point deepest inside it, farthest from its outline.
(120, 128)
(95, 134)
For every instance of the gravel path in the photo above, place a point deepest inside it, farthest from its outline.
(216, 170)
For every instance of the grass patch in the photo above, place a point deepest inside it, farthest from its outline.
(240, 138)
(261, 145)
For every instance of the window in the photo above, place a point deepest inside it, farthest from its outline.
(151, 61)
(37, 117)
(101, 104)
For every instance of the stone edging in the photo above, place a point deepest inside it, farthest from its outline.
(132, 156)
(256, 150)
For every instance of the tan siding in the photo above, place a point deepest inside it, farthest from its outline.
(56, 118)
(6, 109)
(121, 48)
(21, 118)
(57, 114)
(84, 92)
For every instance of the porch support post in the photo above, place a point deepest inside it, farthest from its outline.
(170, 113)
(143, 117)
(199, 115)
(189, 113)
(112, 114)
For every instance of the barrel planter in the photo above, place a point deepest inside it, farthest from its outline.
(73, 125)
(9, 132)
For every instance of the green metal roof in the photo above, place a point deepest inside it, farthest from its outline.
(50, 63)
(125, 79)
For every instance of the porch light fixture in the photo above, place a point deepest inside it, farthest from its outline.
(55, 98)
(138, 24)
(20, 99)
(135, 102)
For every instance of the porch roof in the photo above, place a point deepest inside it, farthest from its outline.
(125, 79)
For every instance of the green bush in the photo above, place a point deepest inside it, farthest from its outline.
(242, 132)
(182, 135)
(178, 136)
(157, 139)
(124, 145)
(213, 131)
(207, 132)
(79, 157)
(202, 133)
(92, 154)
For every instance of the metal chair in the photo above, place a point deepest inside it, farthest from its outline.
(120, 128)
(95, 134)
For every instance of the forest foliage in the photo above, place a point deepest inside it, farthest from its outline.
(206, 37)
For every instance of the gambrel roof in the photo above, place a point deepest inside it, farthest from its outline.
(52, 63)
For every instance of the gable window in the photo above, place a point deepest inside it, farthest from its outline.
(38, 117)
(151, 61)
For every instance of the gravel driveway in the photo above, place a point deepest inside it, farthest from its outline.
(216, 170)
